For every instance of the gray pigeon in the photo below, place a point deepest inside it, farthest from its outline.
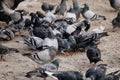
(115, 4)
(43, 56)
(6, 50)
(88, 14)
(61, 8)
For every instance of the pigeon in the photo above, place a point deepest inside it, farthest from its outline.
(64, 75)
(47, 7)
(93, 54)
(116, 21)
(88, 14)
(61, 8)
(76, 8)
(93, 35)
(96, 72)
(115, 4)
(33, 42)
(52, 67)
(6, 34)
(4, 50)
(113, 75)
(43, 56)
(80, 43)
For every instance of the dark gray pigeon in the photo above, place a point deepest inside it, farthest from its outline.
(93, 54)
(6, 50)
(96, 72)
(61, 8)
(115, 4)
(64, 75)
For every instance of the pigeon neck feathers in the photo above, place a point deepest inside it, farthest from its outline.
(86, 8)
(56, 63)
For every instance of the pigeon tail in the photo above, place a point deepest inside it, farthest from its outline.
(14, 49)
(20, 42)
(27, 54)
(99, 17)
(102, 35)
(30, 74)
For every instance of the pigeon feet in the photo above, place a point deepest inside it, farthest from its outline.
(1, 58)
(45, 79)
(91, 65)
(67, 54)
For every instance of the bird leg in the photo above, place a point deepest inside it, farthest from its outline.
(92, 64)
(45, 78)
(98, 41)
(113, 30)
(1, 58)
(67, 54)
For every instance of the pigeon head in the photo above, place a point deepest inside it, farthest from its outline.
(84, 7)
(56, 62)
(71, 40)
